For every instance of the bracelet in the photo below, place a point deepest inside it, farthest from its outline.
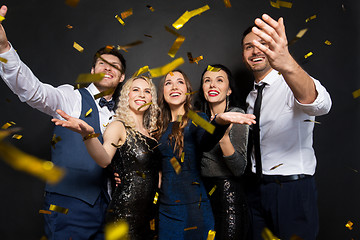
(91, 135)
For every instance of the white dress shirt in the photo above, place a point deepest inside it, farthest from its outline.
(45, 97)
(285, 138)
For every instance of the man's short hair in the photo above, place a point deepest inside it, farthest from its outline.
(113, 51)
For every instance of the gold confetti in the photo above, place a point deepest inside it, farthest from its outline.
(194, 60)
(150, 7)
(24, 162)
(178, 42)
(144, 105)
(182, 156)
(91, 135)
(130, 45)
(114, 66)
(227, 3)
(190, 228)
(161, 71)
(179, 118)
(4, 60)
(120, 20)
(58, 209)
(195, 183)
(356, 93)
(268, 235)
(327, 42)
(141, 71)
(152, 224)
(108, 49)
(212, 190)
(72, 3)
(105, 125)
(201, 122)
(191, 93)
(7, 125)
(117, 231)
(274, 167)
(171, 74)
(349, 225)
(200, 201)
(141, 174)
(279, 4)
(194, 123)
(88, 112)
(78, 47)
(299, 35)
(156, 197)
(6, 132)
(80, 85)
(310, 18)
(104, 93)
(114, 145)
(127, 13)
(1, 18)
(187, 15)
(211, 235)
(309, 120)
(212, 69)
(69, 26)
(177, 201)
(308, 55)
(295, 237)
(146, 35)
(17, 136)
(55, 139)
(176, 165)
(44, 211)
(89, 78)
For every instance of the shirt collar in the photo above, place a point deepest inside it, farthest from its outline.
(270, 78)
(93, 91)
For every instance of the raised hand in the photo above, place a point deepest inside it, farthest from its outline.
(4, 44)
(235, 117)
(74, 124)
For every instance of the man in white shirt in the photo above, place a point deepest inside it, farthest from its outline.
(282, 195)
(83, 190)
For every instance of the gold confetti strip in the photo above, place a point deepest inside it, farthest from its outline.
(295, 237)
(4, 133)
(114, 145)
(161, 71)
(17, 136)
(7, 125)
(24, 162)
(356, 93)
(89, 78)
(309, 120)
(176, 165)
(201, 122)
(212, 69)
(349, 225)
(130, 45)
(4, 60)
(152, 224)
(212, 190)
(141, 71)
(44, 211)
(141, 174)
(187, 15)
(88, 112)
(327, 42)
(80, 85)
(176, 45)
(211, 235)
(299, 35)
(194, 123)
(156, 197)
(150, 7)
(274, 167)
(179, 118)
(72, 3)
(171, 74)
(43, 238)
(191, 93)
(117, 231)
(127, 13)
(310, 18)
(58, 209)
(308, 55)
(104, 93)
(105, 125)
(190, 228)
(194, 60)
(55, 139)
(227, 3)
(146, 35)
(182, 156)
(177, 201)
(200, 201)
(69, 26)
(108, 49)
(78, 47)
(279, 4)
(120, 20)
(268, 235)
(144, 105)
(1, 18)
(195, 183)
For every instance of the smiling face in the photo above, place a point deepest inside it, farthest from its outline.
(175, 89)
(140, 94)
(112, 75)
(216, 87)
(255, 59)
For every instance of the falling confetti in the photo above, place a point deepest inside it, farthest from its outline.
(274, 167)
(72, 3)
(144, 105)
(127, 13)
(88, 112)
(268, 235)
(120, 20)
(349, 225)
(55, 139)
(313, 121)
(201, 122)
(104, 93)
(212, 69)
(58, 209)
(78, 47)
(117, 231)
(161, 71)
(279, 4)
(310, 18)
(211, 235)
(308, 55)
(356, 93)
(130, 45)
(176, 165)
(187, 15)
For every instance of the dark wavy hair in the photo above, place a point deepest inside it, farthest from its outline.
(200, 102)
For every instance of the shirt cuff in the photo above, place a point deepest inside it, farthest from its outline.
(12, 58)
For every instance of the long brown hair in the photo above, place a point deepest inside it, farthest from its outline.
(177, 134)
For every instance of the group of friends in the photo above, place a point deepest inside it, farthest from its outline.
(252, 172)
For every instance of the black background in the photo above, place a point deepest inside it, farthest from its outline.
(37, 30)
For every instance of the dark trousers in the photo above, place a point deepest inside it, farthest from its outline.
(286, 208)
(82, 222)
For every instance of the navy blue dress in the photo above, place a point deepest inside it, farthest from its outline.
(185, 210)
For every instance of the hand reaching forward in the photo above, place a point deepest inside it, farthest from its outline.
(4, 44)
(74, 124)
(235, 117)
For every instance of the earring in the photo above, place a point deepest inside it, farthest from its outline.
(227, 103)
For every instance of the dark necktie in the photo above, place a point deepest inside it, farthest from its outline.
(109, 104)
(256, 130)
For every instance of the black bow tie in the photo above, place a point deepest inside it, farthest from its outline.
(109, 104)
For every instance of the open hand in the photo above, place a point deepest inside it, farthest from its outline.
(235, 117)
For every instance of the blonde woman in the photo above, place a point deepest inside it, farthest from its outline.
(130, 149)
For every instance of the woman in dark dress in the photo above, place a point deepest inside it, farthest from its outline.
(222, 166)
(184, 210)
(131, 151)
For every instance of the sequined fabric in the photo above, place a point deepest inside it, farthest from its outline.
(136, 162)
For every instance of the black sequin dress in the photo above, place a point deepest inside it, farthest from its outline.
(136, 162)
